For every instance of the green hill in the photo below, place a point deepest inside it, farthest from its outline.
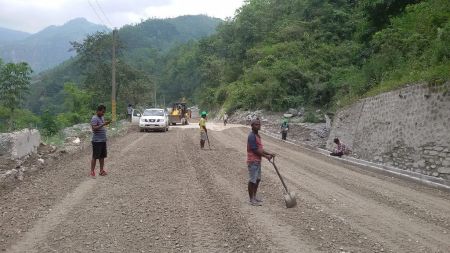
(319, 54)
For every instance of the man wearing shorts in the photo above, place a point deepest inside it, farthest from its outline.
(99, 140)
(255, 152)
(203, 130)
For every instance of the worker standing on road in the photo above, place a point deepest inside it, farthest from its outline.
(129, 112)
(284, 129)
(203, 130)
(99, 140)
(255, 152)
(225, 119)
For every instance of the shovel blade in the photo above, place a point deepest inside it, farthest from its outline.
(290, 200)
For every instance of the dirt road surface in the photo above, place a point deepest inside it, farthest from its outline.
(164, 194)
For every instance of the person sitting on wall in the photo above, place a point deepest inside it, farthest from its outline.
(340, 149)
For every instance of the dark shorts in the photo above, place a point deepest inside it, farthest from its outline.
(254, 172)
(99, 150)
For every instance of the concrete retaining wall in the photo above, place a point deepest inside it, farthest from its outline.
(408, 128)
(19, 144)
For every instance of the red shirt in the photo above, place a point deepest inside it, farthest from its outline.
(253, 143)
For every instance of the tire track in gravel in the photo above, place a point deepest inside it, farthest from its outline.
(58, 213)
(33, 198)
(429, 230)
(132, 209)
(263, 223)
(392, 192)
(331, 189)
(235, 233)
(310, 225)
(200, 232)
(386, 221)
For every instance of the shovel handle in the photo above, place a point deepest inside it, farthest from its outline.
(207, 138)
(279, 175)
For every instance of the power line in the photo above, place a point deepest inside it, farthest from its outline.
(104, 14)
(96, 13)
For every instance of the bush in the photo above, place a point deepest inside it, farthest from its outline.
(49, 124)
(311, 118)
(22, 119)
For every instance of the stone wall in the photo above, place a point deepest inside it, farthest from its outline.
(19, 144)
(407, 128)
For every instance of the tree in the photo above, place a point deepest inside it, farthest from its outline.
(14, 85)
(78, 105)
(49, 124)
(94, 58)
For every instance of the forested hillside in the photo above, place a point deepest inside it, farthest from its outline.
(280, 54)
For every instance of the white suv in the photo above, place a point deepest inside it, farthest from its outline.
(154, 119)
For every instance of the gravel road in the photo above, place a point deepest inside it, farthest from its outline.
(164, 194)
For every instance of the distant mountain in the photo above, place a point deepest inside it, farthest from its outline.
(49, 47)
(8, 35)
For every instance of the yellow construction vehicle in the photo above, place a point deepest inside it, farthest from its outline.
(180, 113)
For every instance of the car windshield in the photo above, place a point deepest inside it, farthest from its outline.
(154, 113)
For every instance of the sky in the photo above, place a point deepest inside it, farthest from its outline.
(34, 15)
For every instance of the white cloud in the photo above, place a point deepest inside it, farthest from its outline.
(34, 15)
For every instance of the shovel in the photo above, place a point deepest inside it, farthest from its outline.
(289, 197)
(207, 138)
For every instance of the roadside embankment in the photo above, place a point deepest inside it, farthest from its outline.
(19, 144)
(311, 134)
(407, 128)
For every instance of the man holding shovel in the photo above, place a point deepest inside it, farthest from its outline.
(255, 152)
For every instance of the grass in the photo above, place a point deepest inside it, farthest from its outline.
(55, 140)
(433, 76)
(117, 129)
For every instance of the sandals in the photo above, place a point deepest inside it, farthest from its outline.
(102, 173)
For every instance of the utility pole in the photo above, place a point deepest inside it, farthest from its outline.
(155, 98)
(113, 79)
